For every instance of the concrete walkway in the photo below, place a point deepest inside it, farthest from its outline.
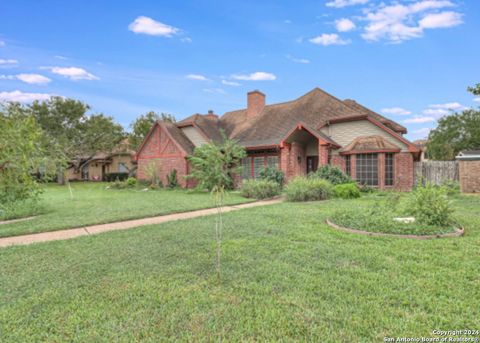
(129, 224)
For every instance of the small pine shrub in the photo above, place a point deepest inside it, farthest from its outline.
(347, 191)
(331, 173)
(308, 189)
(172, 181)
(260, 189)
(430, 206)
(272, 174)
(131, 182)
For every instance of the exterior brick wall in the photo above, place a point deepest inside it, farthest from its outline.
(322, 155)
(403, 173)
(469, 176)
(338, 161)
(381, 170)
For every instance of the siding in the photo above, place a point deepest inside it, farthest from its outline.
(194, 136)
(345, 133)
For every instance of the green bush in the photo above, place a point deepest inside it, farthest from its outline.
(451, 187)
(260, 189)
(333, 174)
(308, 189)
(347, 191)
(172, 181)
(430, 206)
(111, 177)
(131, 182)
(272, 174)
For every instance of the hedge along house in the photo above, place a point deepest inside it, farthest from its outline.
(296, 136)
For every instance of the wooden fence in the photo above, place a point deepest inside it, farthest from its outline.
(436, 172)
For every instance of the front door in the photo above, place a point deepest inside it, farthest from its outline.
(312, 164)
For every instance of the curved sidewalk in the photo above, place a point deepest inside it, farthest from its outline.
(124, 225)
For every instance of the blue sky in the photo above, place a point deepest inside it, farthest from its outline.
(410, 60)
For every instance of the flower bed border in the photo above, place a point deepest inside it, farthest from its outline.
(457, 233)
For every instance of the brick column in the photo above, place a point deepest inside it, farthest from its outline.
(353, 167)
(322, 155)
(381, 170)
(285, 161)
(404, 171)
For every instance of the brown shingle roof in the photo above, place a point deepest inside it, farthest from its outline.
(273, 123)
(178, 136)
(208, 124)
(362, 109)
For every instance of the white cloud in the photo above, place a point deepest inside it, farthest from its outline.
(449, 106)
(18, 96)
(422, 132)
(297, 60)
(399, 22)
(148, 26)
(230, 83)
(60, 57)
(73, 73)
(345, 3)
(328, 39)
(196, 77)
(344, 25)
(440, 20)
(186, 40)
(2, 43)
(33, 79)
(8, 61)
(396, 111)
(214, 90)
(437, 113)
(476, 99)
(257, 76)
(287, 21)
(419, 120)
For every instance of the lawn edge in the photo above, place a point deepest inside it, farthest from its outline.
(457, 233)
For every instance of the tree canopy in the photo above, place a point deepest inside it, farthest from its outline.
(68, 124)
(142, 125)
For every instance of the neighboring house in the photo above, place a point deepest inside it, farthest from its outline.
(422, 145)
(469, 170)
(295, 136)
(96, 168)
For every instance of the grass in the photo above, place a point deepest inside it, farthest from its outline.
(93, 204)
(377, 213)
(286, 276)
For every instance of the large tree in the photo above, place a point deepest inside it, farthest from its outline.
(68, 124)
(142, 125)
(456, 132)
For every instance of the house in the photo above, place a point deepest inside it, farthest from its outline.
(121, 160)
(295, 136)
(422, 145)
(469, 170)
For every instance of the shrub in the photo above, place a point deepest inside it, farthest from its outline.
(272, 174)
(333, 174)
(260, 189)
(451, 187)
(347, 191)
(430, 206)
(308, 189)
(172, 181)
(131, 182)
(117, 184)
(110, 177)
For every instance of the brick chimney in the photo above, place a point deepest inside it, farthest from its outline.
(255, 103)
(211, 115)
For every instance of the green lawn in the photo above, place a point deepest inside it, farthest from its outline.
(286, 276)
(93, 204)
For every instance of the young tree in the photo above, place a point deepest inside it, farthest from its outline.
(142, 125)
(475, 90)
(213, 166)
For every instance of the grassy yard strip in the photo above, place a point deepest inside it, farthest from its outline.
(285, 276)
(93, 204)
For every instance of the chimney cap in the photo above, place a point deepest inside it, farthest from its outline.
(210, 111)
(256, 91)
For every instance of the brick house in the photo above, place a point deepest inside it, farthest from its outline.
(295, 136)
(469, 170)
